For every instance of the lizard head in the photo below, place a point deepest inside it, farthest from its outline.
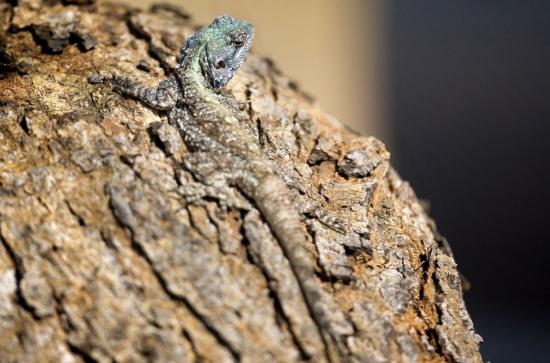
(226, 42)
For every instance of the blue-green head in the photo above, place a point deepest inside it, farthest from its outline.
(225, 44)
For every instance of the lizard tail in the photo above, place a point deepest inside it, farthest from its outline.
(275, 201)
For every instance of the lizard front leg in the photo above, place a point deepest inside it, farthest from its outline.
(163, 97)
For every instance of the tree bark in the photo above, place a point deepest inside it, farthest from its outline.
(103, 259)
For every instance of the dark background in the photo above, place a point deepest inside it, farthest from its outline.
(470, 108)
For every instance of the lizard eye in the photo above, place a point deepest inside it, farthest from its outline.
(238, 38)
(220, 64)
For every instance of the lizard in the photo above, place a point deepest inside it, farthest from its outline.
(224, 150)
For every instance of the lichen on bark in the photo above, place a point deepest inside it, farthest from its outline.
(102, 258)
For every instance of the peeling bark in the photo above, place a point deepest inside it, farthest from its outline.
(103, 258)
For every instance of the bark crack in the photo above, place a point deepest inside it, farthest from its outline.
(85, 356)
(183, 300)
(138, 249)
(19, 268)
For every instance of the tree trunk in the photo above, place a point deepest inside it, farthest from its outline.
(103, 259)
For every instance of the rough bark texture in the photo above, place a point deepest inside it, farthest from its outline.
(101, 258)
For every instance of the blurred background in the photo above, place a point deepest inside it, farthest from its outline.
(469, 112)
(460, 93)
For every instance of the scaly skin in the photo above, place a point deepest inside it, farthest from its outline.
(224, 148)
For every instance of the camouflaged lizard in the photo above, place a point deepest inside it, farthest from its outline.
(224, 151)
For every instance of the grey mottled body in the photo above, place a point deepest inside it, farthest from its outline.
(224, 150)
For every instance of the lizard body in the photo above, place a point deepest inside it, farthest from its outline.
(224, 149)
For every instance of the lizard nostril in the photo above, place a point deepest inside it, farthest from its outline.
(220, 64)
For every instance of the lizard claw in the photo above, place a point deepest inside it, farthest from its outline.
(98, 78)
